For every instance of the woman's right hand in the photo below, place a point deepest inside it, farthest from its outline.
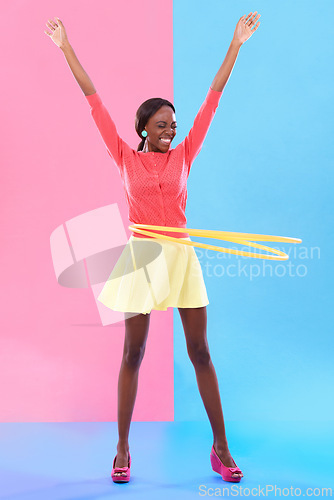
(58, 34)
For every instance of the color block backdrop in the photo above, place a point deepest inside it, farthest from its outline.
(265, 167)
(57, 360)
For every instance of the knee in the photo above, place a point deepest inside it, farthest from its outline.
(199, 355)
(133, 356)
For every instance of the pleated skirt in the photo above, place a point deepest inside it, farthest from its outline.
(152, 273)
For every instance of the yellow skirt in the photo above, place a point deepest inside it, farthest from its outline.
(153, 273)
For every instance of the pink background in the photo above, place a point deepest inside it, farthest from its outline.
(57, 361)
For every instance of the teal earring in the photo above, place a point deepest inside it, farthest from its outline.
(144, 133)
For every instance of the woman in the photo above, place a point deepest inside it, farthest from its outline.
(155, 176)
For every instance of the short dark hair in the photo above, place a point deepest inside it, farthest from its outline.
(145, 111)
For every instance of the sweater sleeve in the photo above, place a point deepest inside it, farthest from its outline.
(194, 140)
(113, 142)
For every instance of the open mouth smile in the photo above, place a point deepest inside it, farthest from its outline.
(165, 140)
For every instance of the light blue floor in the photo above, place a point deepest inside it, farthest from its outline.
(170, 460)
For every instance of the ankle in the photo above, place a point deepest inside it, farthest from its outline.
(122, 447)
(220, 444)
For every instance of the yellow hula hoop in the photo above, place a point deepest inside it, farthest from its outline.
(240, 238)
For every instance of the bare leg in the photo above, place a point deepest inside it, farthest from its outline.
(194, 322)
(136, 330)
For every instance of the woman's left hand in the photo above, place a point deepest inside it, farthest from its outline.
(245, 27)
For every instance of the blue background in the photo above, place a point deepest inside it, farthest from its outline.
(265, 167)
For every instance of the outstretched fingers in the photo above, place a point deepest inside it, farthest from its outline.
(52, 26)
(256, 27)
(249, 21)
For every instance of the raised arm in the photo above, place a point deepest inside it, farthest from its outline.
(59, 36)
(113, 142)
(194, 140)
(107, 128)
(246, 26)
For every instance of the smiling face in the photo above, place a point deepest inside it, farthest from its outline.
(161, 130)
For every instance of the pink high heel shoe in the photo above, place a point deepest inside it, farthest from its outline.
(124, 476)
(226, 472)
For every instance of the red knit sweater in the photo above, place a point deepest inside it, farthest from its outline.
(155, 184)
